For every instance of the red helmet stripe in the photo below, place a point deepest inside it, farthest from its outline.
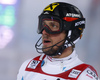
(69, 19)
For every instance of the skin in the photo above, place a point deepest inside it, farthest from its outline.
(55, 38)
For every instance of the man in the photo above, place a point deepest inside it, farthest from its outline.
(61, 25)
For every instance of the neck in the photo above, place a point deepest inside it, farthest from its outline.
(65, 53)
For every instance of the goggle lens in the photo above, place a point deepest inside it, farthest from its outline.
(51, 25)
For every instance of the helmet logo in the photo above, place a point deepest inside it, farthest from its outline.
(72, 15)
(51, 7)
(79, 23)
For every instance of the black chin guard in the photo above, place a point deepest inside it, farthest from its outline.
(59, 51)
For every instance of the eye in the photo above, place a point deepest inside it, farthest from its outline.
(54, 26)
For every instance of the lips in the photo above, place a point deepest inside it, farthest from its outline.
(46, 41)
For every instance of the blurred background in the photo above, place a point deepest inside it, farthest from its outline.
(18, 33)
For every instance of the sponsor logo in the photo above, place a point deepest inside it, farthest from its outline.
(89, 76)
(43, 62)
(64, 69)
(72, 15)
(92, 74)
(51, 7)
(33, 64)
(74, 73)
(79, 23)
(22, 78)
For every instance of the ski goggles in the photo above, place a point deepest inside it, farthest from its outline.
(51, 24)
(54, 25)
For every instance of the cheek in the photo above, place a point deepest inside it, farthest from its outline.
(57, 39)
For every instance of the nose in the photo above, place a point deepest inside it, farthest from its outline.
(44, 32)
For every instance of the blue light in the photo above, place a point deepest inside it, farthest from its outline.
(0, 7)
(7, 21)
(7, 16)
(9, 10)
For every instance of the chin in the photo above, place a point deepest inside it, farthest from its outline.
(49, 51)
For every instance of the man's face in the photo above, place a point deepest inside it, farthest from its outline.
(50, 40)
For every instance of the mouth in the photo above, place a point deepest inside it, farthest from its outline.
(46, 41)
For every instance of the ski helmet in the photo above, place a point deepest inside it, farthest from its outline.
(70, 19)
